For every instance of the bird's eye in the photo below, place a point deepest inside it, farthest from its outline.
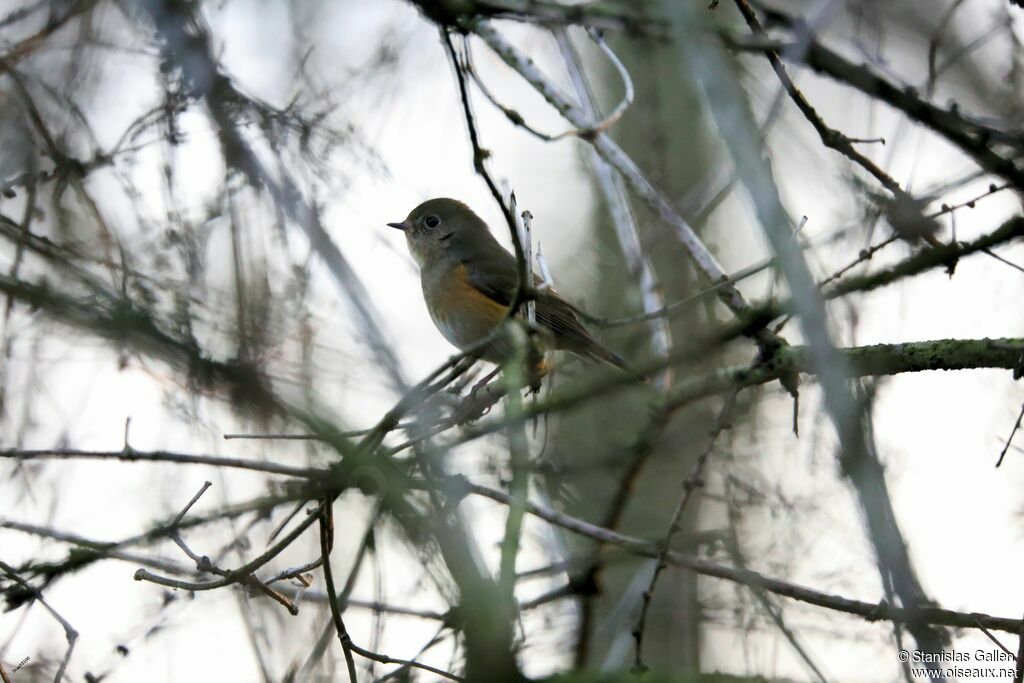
(432, 221)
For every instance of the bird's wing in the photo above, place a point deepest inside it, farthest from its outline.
(492, 270)
(494, 273)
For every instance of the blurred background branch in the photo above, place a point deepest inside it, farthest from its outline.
(193, 200)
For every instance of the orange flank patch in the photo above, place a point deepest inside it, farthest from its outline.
(462, 312)
(475, 302)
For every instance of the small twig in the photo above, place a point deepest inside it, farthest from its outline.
(970, 203)
(988, 34)
(830, 137)
(343, 598)
(127, 428)
(115, 549)
(202, 563)
(990, 636)
(205, 565)
(933, 44)
(692, 482)
(527, 275)
(371, 605)
(233, 575)
(408, 663)
(524, 271)
(665, 309)
(326, 543)
(312, 437)
(290, 437)
(514, 117)
(295, 572)
(1019, 674)
(448, 372)
(480, 155)
(326, 540)
(159, 456)
(69, 633)
(585, 132)
(438, 637)
(1009, 439)
(999, 258)
(192, 502)
(102, 550)
(627, 83)
(286, 520)
(326, 435)
(862, 257)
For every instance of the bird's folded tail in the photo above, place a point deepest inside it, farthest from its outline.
(598, 352)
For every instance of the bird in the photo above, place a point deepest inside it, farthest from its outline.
(469, 281)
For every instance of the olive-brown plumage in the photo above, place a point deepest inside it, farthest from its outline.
(469, 281)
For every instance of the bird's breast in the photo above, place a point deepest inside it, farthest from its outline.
(461, 312)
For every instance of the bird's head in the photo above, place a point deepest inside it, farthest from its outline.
(439, 228)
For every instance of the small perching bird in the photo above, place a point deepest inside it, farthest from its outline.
(469, 281)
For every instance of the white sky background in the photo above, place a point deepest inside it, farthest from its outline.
(938, 433)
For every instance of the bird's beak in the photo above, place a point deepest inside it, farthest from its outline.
(404, 225)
